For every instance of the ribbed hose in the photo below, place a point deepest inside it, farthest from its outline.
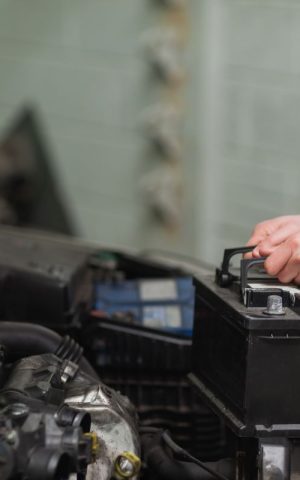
(68, 349)
(24, 339)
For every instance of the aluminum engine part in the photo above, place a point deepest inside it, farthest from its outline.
(52, 381)
(113, 419)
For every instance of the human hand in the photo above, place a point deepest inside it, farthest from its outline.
(279, 240)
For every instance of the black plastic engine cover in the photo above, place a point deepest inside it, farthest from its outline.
(41, 280)
(246, 364)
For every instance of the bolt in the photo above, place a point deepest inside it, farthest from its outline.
(274, 305)
(127, 465)
(68, 371)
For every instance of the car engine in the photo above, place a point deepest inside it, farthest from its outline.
(118, 365)
(57, 418)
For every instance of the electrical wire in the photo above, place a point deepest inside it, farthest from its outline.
(183, 453)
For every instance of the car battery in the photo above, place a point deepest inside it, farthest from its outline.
(246, 348)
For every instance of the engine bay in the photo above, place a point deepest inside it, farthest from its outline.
(118, 365)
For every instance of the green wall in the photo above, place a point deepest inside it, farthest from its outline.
(82, 64)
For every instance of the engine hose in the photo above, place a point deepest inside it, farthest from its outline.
(68, 349)
(24, 339)
(165, 467)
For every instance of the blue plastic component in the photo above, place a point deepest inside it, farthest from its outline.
(163, 304)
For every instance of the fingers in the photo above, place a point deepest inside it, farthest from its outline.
(297, 279)
(269, 234)
(266, 228)
(284, 261)
(279, 236)
(261, 232)
(279, 240)
(289, 273)
(248, 255)
(278, 259)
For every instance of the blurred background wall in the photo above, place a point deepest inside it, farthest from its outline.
(226, 153)
(249, 116)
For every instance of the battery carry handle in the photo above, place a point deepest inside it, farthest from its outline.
(224, 277)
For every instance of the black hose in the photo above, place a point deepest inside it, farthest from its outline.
(184, 454)
(24, 339)
(167, 468)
